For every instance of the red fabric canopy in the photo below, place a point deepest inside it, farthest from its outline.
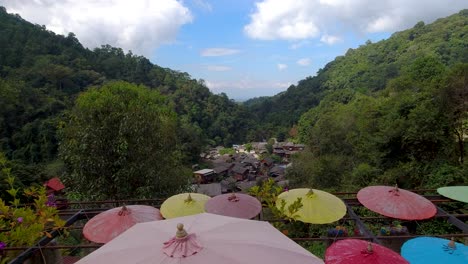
(55, 184)
(109, 224)
(351, 251)
(396, 203)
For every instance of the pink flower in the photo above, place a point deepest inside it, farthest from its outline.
(20, 219)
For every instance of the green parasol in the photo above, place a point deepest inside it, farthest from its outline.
(459, 193)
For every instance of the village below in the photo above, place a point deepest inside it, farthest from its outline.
(244, 166)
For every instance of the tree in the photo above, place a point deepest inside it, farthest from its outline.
(120, 142)
(455, 101)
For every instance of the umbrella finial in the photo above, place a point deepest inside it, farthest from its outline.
(370, 249)
(233, 198)
(181, 233)
(189, 199)
(124, 211)
(452, 244)
(395, 190)
(310, 193)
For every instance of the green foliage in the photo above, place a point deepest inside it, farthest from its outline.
(410, 133)
(42, 73)
(120, 142)
(24, 225)
(229, 151)
(420, 53)
(248, 147)
(267, 193)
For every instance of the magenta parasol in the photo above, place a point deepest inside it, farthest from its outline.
(396, 203)
(107, 225)
(350, 251)
(235, 205)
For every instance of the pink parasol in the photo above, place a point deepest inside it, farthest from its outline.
(396, 203)
(349, 251)
(235, 205)
(202, 239)
(107, 225)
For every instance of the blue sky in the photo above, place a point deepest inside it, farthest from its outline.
(244, 48)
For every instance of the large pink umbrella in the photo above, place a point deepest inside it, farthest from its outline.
(350, 251)
(105, 226)
(235, 205)
(202, 239)
(396, 203)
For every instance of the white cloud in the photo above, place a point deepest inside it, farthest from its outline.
(305, 19)
(140, 26)
(304, 62)
(281, 66)
(330, 40)
(218, 68)
(203, 5)
(214, 52)
(278, 19)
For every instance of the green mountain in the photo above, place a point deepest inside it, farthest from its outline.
(41, 73)
(366, 69)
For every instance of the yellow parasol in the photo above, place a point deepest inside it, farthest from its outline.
(183, 205)
(318, 207)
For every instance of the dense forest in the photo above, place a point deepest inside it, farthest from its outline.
(367, 70)
(393, 112)
(41, 75)
(388, 112)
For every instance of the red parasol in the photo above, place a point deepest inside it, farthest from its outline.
(54, 184)
(107, 225)
(396, 203)
(235, 205)
(349, 251)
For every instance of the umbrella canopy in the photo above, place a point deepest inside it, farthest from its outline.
(396, 203)
(349, 251)
(105, 226)
(184, 204)
(318, 207)
(235, 205)
(202, 239)
(429, 250)
(459, 193)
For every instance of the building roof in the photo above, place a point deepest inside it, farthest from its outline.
(220, 169)
(239, 169)
(204, 171)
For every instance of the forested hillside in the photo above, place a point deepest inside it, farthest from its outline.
(388, 112)
(42, 73)
(394, 112)
(366, 69)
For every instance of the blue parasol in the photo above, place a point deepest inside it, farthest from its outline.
(434, 250)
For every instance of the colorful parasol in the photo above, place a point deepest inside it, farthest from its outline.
(350, 251)
(184, 204)
(396, 203)
(235, 205)
(107, 225)
(458, 193)
(318, 207)
(429, 250)
(202, 239)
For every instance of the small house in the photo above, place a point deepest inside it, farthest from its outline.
(204, 176)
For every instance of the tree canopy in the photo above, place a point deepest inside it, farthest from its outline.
(120, 142)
